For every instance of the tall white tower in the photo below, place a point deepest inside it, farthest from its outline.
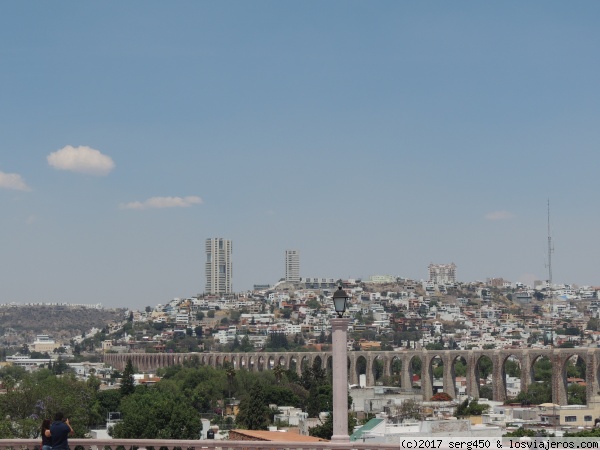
(218, 266)
(292, 266)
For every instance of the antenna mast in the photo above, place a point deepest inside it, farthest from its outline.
(550, 251)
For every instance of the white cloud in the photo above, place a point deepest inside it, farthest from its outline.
(13, 181)
(81, 159)
(164, 202)
(499, 215)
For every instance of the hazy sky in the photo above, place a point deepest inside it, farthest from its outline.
(374, 137)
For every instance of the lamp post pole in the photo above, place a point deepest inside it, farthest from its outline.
(339, 329)
(339, 339)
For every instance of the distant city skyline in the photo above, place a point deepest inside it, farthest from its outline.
(373, 138)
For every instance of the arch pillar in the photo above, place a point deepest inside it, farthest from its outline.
(449, 383)
(559, 380)
(472, 375)
(525, 362)
(592, 374)
(498, 377)
(369, 369)
(352, 369)
(426, 384)
(298, 364)
(406, 380)
(387, 366)
(324, 361)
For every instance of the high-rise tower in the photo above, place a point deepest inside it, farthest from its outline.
(218, 266)
(292, 266)
(442, 273)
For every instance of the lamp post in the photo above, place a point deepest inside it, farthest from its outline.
(339, 332)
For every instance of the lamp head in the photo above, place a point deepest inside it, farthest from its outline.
(340, 299)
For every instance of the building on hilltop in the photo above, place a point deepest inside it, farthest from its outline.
(382, 279)
(218, 266)
(442, 273)
(292, 266)
(44, 343)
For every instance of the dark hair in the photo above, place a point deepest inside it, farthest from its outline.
(45, 426)
(59, 416)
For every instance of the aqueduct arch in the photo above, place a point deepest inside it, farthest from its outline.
(387, 360)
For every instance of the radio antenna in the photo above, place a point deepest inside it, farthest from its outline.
(549, 265)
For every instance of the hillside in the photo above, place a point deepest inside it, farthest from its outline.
(20, 324)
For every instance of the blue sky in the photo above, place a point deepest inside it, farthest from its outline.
(374, 137)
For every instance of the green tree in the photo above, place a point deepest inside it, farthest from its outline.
(576, 370)
(470, 408)
(10, 375)
(320, 399)
(593, 324)
(105, 402)
(396, 369)
(576, 394)
(314, 304)
(285, 395)
(314, 375)
(278, 371)
(542, 369)
(410, 409)
(127, 381)
(60, 367)
(521, 432)
(536, 394)
(486, 391)
(162, 412)
(246, 345)
(254, 412)
(485, 367)
(277, 342)
(230, 372)
(460, 368)
(41, 394)
(434, 346)
(567, 344)
(325, 429)
(512, 368)
(322, 338)
(235, 345)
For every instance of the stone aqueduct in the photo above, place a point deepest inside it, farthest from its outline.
(297, 360)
